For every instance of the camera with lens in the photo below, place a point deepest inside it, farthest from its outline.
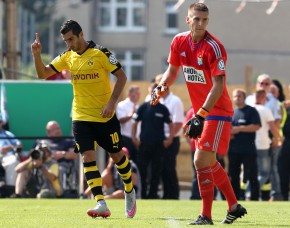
(36, 154)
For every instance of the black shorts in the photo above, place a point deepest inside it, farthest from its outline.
(90, 134)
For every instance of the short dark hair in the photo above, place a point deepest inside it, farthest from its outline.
(198, 7)
(71, 25)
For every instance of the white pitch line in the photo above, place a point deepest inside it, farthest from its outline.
(173, 222)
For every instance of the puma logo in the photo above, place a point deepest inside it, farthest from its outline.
(115, 146)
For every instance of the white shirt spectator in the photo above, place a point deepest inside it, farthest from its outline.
(123, 108)
(176, 110)
(263, 140)
(272, 103)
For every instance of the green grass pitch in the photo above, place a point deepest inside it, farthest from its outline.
(27, 213)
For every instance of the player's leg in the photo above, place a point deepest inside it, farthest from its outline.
(109, 137)
(124, 169)
(203, 161)
(86, 145)
(219, 137)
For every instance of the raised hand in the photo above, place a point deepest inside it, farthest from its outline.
(36, 45)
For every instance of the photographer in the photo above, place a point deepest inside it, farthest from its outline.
(9, 149)
(38, 176)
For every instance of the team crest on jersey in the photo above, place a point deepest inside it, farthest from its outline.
(113, 59)
(221, 65)
(193, 76)
(90, 62)
(199, 61)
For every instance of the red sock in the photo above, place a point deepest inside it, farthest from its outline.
(222, 181)
(206, 189)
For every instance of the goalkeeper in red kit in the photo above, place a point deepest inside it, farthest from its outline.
(202, 59)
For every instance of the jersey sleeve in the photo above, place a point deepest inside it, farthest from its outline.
(60, 63)
(217, 58)
(109, 61)
(173, 57)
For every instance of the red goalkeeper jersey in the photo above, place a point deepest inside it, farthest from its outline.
(200, 62)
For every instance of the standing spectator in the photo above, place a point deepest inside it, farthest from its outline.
(169, 174)
(264, 82)
(62, 150)
(263, 140)
(276, 148)
(284, 157)
(38, 176)
(93, 111)
(152, 144)
(9, 151)
(203, 60)
(242, 149)
(125, 110)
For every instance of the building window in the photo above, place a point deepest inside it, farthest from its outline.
(133, 64)
(122, 15)
(171, 18)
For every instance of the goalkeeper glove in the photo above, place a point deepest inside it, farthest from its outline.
(194, 127)
(157, 93)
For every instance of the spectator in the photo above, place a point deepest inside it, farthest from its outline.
(9, 151)
(113, 187)
(152, 144)
(264, 82)
(276, 147)
(263, 140)
(169, 174)
(242, 149)
(125, 110)
(62, 151)
(149, 90)
(284, 157)
(38, 176)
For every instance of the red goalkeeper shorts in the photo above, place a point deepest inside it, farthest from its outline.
(215, 136)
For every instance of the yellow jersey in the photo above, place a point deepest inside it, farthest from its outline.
(90, 78)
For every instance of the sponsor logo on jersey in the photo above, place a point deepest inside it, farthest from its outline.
(221, 65)
(194, 76)
(199, 61)
(183, 54)
(113, 59)
(85, 76)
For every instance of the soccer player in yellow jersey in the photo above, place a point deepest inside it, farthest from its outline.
(94, 119)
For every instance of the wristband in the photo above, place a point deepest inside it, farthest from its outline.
(202, 112)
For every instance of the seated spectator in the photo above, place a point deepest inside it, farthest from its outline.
(38, 176)
(62, 150)
(113, 186)
(9, 149)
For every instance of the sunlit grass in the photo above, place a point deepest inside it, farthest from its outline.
(150, 213)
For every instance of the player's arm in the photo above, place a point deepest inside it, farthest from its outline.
(194, 127)
(169, 75)
(43, 71)
(109, 109)
(167, 80)
(215, 92)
